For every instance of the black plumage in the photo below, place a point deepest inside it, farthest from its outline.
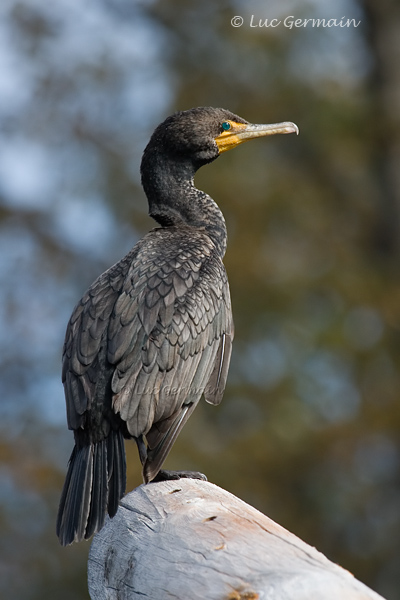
(154, 332)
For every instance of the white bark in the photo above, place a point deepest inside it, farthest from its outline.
(190, 540)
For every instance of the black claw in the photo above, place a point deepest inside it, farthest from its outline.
(164, 475)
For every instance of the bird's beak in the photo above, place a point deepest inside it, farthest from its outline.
(241, 132)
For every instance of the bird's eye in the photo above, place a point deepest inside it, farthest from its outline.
(226, 125)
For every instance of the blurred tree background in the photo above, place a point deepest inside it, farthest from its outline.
(308, 431)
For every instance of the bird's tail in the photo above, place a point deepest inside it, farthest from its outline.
(94, 485)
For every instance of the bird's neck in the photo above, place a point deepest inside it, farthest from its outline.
(174, 199)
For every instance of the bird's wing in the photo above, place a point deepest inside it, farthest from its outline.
(83, 366)
(153, 333)
(170, 333)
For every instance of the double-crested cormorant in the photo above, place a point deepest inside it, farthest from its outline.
(154, 332)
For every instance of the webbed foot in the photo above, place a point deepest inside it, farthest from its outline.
(164, 475)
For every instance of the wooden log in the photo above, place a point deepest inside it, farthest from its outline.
(191, 540)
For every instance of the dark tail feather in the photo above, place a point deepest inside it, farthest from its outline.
(94, 485)
(116, 465)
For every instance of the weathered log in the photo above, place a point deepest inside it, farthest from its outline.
(191, 540)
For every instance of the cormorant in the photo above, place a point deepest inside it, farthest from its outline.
(154, 332)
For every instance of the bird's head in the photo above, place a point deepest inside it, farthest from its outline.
(202, 134)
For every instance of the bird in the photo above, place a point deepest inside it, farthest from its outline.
(153, 334)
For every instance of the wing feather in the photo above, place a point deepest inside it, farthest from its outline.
(163, 317)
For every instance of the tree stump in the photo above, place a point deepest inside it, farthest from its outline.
(191, 540)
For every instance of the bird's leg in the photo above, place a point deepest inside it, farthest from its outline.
(141, 448)
(164, 475)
